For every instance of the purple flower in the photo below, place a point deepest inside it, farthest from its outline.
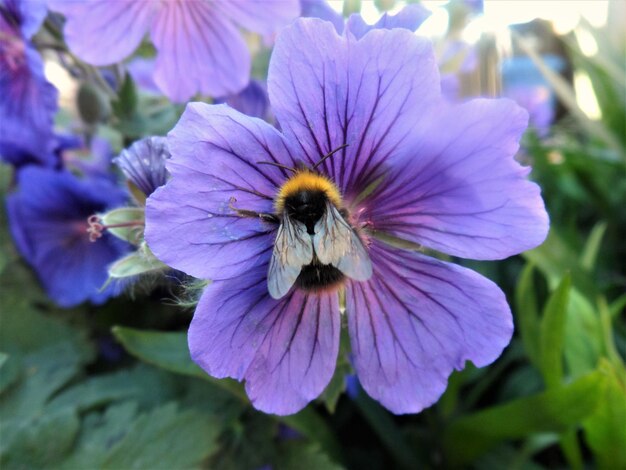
(410, 17)
(252, 100)
(525, 84)
(199, 47)
(93, 160)
(322, 10)
(28, 101)
(48, 220)
(406, 165)
(142, 71)
(143, 163)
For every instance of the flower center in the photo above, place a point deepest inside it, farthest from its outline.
(307, 197)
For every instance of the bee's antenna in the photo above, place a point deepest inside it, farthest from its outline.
(328, 155)
(279, 165)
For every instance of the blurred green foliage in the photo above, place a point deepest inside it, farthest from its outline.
(114, 387)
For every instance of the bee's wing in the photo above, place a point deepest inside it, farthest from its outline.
(335, 242)
(292, 249)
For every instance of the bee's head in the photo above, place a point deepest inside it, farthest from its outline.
(306, 187)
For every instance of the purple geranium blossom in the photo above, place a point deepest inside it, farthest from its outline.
(410, 17)
(93, 160)
(322, 10)
(28, 101)
(524, 83)
(409, 165)
(199, 48)
(252, 100)
(143, 163)
(48, 220)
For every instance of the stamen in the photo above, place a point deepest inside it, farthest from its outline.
(251, 214)
(97, 227)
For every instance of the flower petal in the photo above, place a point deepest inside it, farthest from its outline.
(410, 17)
(28, 103)
(191, 223)
(252, 100)
(416, 320)
(27, 14)
(199, 51)
(102, 32)
(321, 9)
(368, 94)
(48, 220)
(460, 190)
(260, 16)
(285, 349)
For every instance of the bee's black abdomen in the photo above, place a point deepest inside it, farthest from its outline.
(307, 207)
(317, 276)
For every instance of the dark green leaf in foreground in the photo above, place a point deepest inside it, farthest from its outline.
(163, 438)
(556, 410)
(552, 333)
(170, 351)
(526, 315)
(605, 430)
(298, 455)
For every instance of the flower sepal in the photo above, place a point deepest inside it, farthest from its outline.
(139, 262)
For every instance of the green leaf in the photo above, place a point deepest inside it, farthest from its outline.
(40, 442)
(9, 371)
(308, 423)
(556, 410)
(98, 391)
(126, 103)
(163, 438)
(126, 223)
(250, 443)
(24, 328)
(169, 351)
(552, 334)
(583, 336)
(387, 431)
(527, 315)
(554, 257)
(297, 455)
(592, 247)
(100, 432)
(605, 430)
(45, 372)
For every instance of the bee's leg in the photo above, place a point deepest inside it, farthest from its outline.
(266, 217)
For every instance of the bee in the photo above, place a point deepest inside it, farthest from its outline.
(315, 248)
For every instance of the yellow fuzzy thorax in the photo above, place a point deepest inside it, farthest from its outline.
(306, 180)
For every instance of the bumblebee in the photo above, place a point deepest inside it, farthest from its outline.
(315, 246)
